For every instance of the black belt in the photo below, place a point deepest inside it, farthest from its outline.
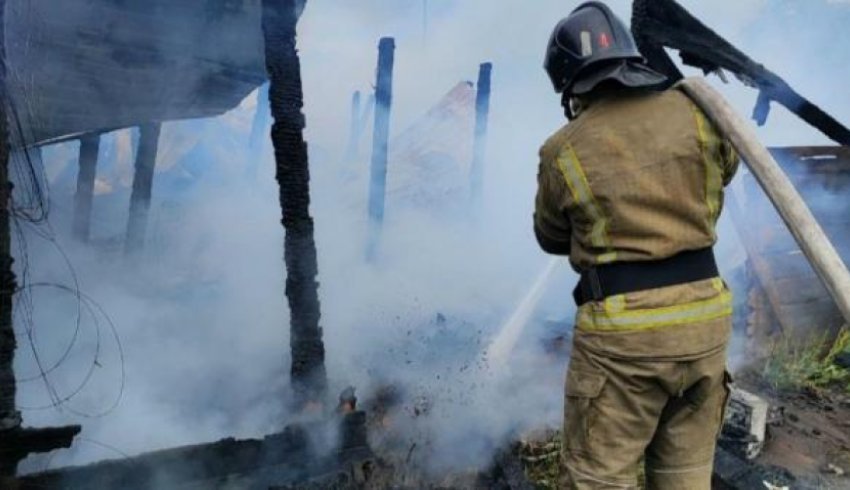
(603, 281)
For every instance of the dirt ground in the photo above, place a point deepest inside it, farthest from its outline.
(809, 434)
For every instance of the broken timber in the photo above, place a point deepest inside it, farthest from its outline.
(309, 380)
(380, 143)
(660, 24)
(140, 198)
(89, 147)
(16, 442)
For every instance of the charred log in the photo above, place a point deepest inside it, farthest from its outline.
(10, 418)
(659, 24)
(17, 444)
(89, 146)
(140, 199)
(309, 380)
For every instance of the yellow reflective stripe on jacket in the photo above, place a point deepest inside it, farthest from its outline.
(610, 317)
(576, 180)
(709, 146)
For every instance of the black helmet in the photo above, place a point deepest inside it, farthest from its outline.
(592, 39)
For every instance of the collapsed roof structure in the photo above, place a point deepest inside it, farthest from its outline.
(83, 66)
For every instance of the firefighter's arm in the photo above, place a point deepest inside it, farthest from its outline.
(551, 223)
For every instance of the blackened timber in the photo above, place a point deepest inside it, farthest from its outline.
(660, 24)
(89, 147)
(16, 442)
(10, 418)
(482, 114)
(140, 198)
(309, 380)
(380, 141)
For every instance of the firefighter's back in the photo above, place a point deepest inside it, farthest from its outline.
(646, 172)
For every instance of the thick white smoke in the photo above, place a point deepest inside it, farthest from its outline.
(202, 316)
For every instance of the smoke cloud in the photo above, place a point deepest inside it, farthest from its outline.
(201, 315)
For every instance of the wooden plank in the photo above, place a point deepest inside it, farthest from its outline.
(814, 318)
(759, 266)
(798, 290)
(787, 265)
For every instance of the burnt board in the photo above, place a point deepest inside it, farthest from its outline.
(80, 66)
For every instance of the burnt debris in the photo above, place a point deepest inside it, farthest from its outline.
(289, 459)
(660, 24)
(309, 380)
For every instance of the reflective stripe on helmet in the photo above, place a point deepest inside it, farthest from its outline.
(576, 180)
(612, 315)
(709, 144)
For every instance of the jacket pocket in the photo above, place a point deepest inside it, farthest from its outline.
(583, 387)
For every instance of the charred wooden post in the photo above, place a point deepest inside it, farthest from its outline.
(482, 114)
(16, 442)
(140, 199)
(309, 381)
(10, 418)
(380, 142)
(354, 129)
(89, 147)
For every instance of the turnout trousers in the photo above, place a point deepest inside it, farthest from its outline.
(622, 411)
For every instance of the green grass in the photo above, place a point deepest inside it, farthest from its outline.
(541, 460)
(794, 366)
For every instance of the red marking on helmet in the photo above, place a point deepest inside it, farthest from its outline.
(604, 42)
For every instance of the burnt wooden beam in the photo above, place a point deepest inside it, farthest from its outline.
(10, 418)
(17, 444)
(660, 24)
(140, 198)
(308, 377)
(482, 115)
(380, 142)
(83, 199)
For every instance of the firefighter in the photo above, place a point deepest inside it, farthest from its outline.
(631, 190)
